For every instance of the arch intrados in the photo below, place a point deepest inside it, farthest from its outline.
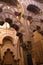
(7, 38)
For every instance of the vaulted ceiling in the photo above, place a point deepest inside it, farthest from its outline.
(34, 17)
(10, 2)
(41, 1)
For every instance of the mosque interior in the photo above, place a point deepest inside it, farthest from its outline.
(21, 32)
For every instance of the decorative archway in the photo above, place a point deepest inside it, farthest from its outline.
(7, 43)
(8, 58)
(7, 38)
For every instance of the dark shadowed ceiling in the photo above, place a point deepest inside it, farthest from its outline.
(10, 2)
(41, 1)
(33, 8)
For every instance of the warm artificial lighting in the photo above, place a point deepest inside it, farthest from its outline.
(17, 17)
(6, 25)
(8, 7)
(18, 0)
